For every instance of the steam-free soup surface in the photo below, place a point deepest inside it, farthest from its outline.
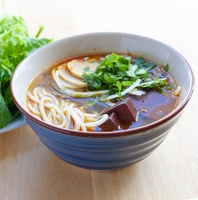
(61, 95)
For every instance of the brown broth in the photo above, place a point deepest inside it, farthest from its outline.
(151, 106)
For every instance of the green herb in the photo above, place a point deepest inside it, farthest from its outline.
(116, 73)
(143, 64)
(166, 67)
(16, 44)
(153, 83)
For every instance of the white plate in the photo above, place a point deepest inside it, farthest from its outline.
(16, 123)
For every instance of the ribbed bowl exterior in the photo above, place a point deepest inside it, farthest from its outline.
(107, 153)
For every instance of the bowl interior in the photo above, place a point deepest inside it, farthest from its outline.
(100, 42)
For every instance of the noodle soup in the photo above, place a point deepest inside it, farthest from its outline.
(76, 92)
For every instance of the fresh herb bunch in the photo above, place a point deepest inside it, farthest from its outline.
(15, 44)
(116, 73)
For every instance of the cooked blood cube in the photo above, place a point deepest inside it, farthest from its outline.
(125, 110)
(112, 123)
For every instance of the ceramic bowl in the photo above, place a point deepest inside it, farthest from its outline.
(105, 150)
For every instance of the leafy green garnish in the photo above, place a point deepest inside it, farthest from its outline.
(153, 83)
(116, 73)
(143, 64)
(15, 45)
(166, 67)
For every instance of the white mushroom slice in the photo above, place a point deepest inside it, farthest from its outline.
(76, 67)
(65, 75)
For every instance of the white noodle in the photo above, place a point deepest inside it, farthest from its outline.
(50, 116)
(32, 109)
(55, 100)
(35, 92)
(75, 117)
(53, 113)
(59, 115)
(42, 109)
(178, 91)
(62, 104)
(81, 115)
(98, 122)
(33, 97)
(69, 121)
(40, 93)
(60, 112)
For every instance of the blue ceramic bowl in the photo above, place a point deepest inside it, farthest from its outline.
(105, 150)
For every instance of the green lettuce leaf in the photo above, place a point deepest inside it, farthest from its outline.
(15, 44)
(5, 115)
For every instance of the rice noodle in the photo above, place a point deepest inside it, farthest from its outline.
(59, 112)
(102, 119)
(178, 91)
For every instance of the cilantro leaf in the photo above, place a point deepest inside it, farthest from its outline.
(116, 73)
(166, 67)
